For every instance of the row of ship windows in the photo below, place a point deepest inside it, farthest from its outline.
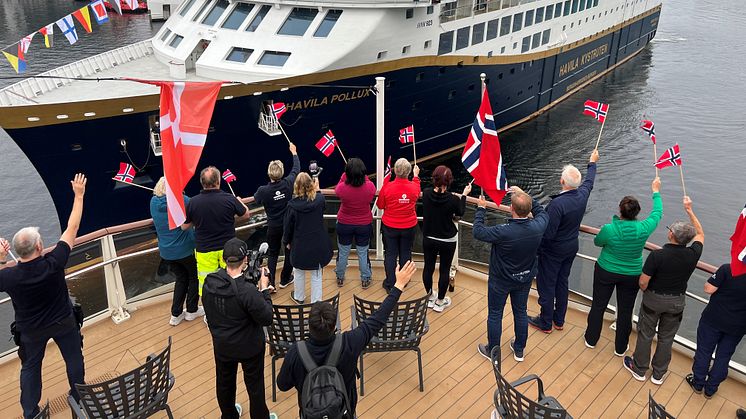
(296, 24)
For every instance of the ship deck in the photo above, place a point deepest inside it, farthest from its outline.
(590, 383)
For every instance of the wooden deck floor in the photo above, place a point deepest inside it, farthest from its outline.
(458, 383)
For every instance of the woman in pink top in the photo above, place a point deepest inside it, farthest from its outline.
(354, 219)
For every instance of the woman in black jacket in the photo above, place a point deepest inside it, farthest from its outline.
(306, 237)
(439, 233)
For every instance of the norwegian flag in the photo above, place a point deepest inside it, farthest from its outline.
(327, 143)
(649, 127)
(228, 176)
(482, 157)
(126, 173)
(738, 246)
(597, 110)
(278, 108)
(672, 157)
(387, 172)
(406, 135)
(186, 110)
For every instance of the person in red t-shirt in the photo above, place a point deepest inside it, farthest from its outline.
(398, 200)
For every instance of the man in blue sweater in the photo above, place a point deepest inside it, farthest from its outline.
(322, 327)
(512, 266)
(560, 245)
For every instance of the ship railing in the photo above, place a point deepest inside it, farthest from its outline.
(114, 269)
(24, 91)
(461, 9)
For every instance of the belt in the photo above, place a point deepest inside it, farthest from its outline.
(667, 294)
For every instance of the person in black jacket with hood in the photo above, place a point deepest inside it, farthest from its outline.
(237, 312)
(322, 324)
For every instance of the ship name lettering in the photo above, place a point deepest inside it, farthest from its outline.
(314, 102)
(568, 67)
(425, 23)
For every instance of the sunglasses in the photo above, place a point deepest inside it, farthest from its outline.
(669, 229)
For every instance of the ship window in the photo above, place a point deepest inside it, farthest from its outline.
(298, 21)
(326, 25)
(166, 35)
(446, 43)
(237, 16)
(517, 22)
(176, 41)
(588, 4)
(430, 10)
(500, 76)
(575, 6)
(419, 77)
(462, 38)
(558, 10)
(549, 12)
(477, 35)
(185, 9)
(428, 43)
(535, 41)
(200, 11)
(274, 58)
(539, 15)
(595, 3)
(409, 13)
(489, 54)
(382, 54)
(215, 12)
(502, 50)
(257, 20)
(545, 36)
(529, 18)
(492, 27)
(239, 55)
(505, 26)
(582, 6)
(526, 44)
(405, 49)
(567, 8)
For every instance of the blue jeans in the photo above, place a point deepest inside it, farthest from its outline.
(346, 235)
(709, 340)
(497, 295)
(299, 290)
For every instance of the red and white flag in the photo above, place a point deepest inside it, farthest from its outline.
(597, 110)
(649, 128)
(387, 171)
(278, 108)
(132, 4)
(99, 12)
(186, 110)
(126, 173)
(738, 246)
(327, 143)
(406, 135)
(228, 176)
(23, 45)
(672, 157)
(116, 5)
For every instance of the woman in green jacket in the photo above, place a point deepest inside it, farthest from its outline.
(619, 267)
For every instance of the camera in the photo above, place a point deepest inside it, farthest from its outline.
(253, 272)
(314, 169)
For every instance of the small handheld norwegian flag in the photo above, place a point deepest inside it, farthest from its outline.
(649, 127)
(597, 110)
(406, 135)
(671, 157)
(738, 246)
(387, 172)
(327, 143)
(228, 176)
(126, 173)
(278, 108)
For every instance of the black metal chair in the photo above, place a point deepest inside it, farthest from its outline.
(137, 394)
(43, 413)
(289, 325)
(512, 404)
(403, 331)
(657, 411)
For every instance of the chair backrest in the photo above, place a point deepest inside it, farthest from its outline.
(290, 324)
(655, 410)
(404, 328)
(516, 405)
(43, 413)
(138, 393)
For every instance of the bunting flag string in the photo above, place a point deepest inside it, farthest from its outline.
(18, 65)
(48, 31)
(83, 16)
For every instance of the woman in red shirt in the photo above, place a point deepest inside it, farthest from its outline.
(398, 200)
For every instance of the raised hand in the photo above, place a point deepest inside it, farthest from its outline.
(467, 189)
(78, 184)
(656, 185)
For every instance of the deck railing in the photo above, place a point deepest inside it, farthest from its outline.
(98, 260)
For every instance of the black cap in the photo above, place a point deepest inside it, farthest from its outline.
(235, 250)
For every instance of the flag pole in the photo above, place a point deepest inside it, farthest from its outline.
(655, 158)
(681, 172)
(602, 129)
(283, 132)
(132, 184)
(483, 77)
(231, 188)
(414, 149)
(340, 151)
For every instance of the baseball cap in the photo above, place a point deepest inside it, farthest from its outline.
(235, 250)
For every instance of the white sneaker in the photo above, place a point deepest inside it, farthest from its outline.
(239, 409)
(588, 345)
(431, 299)
(441, 305)
(204, 319)
(193, 316)
(658, 381)
(175, 320)
(621, 354)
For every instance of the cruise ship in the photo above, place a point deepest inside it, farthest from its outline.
(320, 58)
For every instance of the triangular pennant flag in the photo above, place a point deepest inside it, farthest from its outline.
(67, 27)
(47, 31)
(99, 12)
(116, 5)
(23, 45)
(18, 65)
(83, 16)
(132, 4)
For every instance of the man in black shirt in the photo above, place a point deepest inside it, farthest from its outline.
(43, 311)
(238, 310)
(663, 281)
(213, 214)
(275, 196)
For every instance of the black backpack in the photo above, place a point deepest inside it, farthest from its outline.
(324, 394)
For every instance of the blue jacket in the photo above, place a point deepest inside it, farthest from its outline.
(514, 244)
(173, 244)
(566, 212)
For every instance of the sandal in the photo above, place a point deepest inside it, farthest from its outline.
(340, 282)
(366, 283)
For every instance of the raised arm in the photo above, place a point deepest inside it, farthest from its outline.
(700, 237)
(587, 185)
(650, 223)
(296, 165)
(73, 223)
(481, 231)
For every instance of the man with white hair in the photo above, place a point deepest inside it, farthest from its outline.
(43, 310)
(560, 244)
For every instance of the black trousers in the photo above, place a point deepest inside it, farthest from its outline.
(186, 285)
(274, 240)
(399, 243)
(604, 283)
(226, 371)
(432, 249)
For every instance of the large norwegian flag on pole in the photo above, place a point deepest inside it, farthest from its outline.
(738, 246)
(482, 157)
(186, 110)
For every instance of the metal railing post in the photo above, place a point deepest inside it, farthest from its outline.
(380, 152)
(115, 294)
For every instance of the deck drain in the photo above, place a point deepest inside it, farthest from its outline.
(59, 403)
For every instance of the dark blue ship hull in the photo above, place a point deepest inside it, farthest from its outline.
(439, 100)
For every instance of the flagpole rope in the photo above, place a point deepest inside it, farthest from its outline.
(132, 184)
